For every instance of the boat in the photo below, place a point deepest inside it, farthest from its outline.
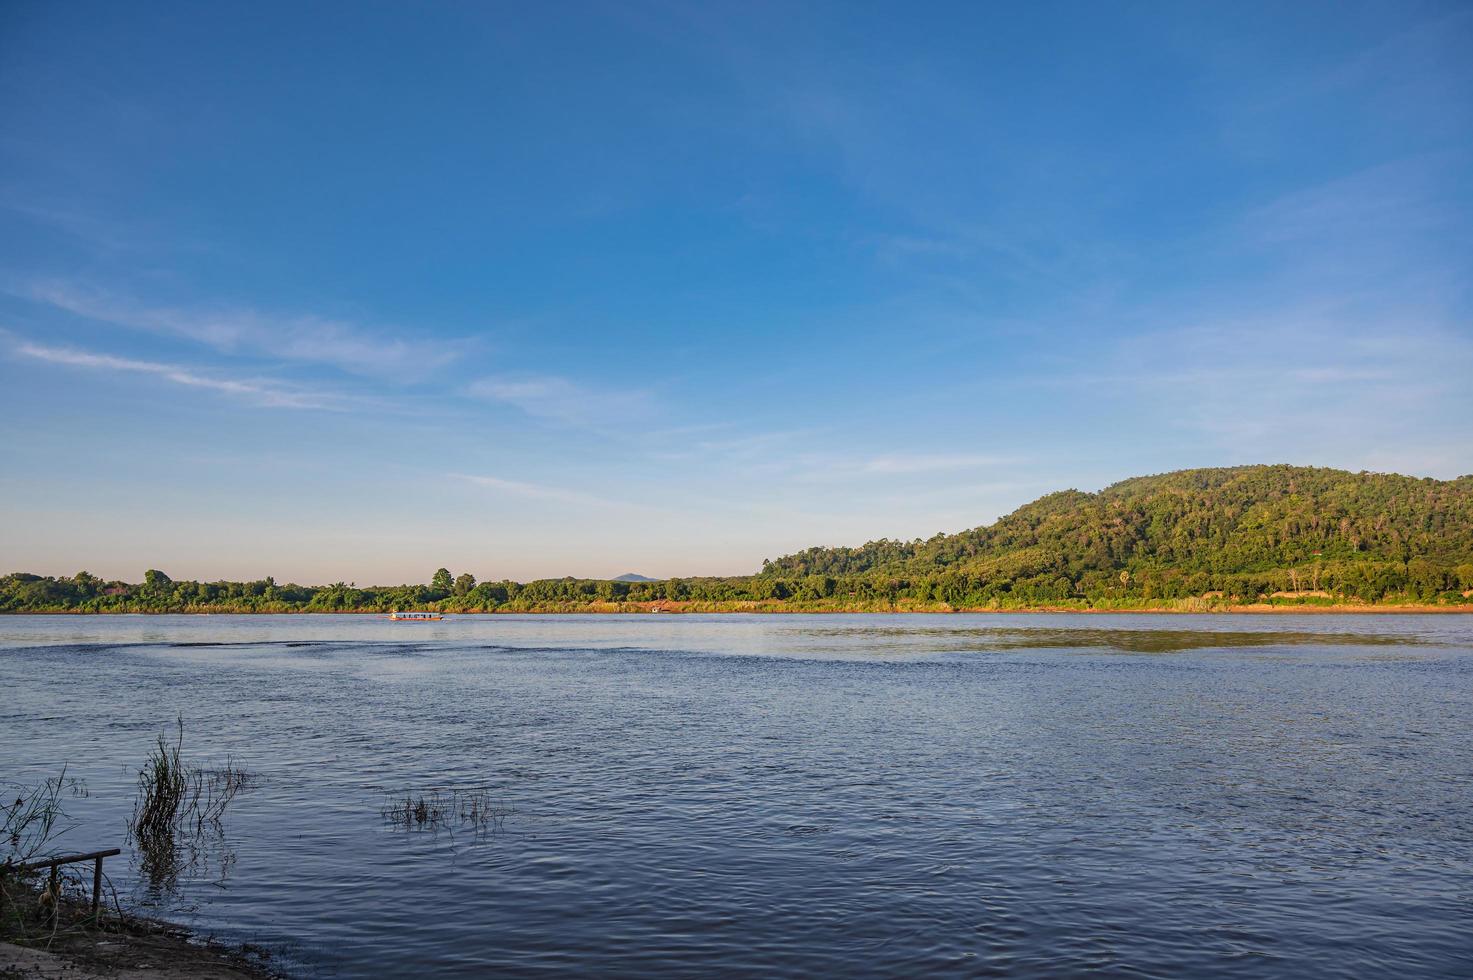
(414, 617)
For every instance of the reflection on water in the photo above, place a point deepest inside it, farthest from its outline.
(788, 795)
(160, 863)
(1131, 640)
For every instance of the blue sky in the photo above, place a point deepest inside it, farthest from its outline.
(355, 291)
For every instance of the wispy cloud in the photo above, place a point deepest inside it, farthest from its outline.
(537, 491)
(750, 445)
(96, 231)
(1382, 235)
(304, 339)
(1322, 389)
(1395, 200)
(264, 393)
(789, 456)
(859, 469)
(927, 462)
(562, 400)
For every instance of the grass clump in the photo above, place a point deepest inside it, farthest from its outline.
(444, 809)
(175, 797)
(35, 818)
(178, 811)
(28, 825)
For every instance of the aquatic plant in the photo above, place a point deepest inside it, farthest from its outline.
(173, 796)
(161, 788)
(177, 814)
(435, 809)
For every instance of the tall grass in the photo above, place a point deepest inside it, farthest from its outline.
(28, 825)
(174, 796)
(178, 810)
(162, 784)
(35, 818)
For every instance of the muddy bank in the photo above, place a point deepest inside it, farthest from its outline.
(119, 945)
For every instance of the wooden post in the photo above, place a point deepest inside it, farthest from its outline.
(96, 886)
(56, 862)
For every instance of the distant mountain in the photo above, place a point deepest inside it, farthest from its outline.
(632, 577)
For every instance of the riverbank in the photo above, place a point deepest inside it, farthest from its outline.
(121, 945)
(1178, 607)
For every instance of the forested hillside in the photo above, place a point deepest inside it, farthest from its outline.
(1194, 539)
(1244, 530)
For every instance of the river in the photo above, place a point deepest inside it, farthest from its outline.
(1008, 795)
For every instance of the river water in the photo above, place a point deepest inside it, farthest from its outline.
(786, 795)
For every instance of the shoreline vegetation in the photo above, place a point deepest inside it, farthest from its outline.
(61, 916)
(1244, 539)
(1177, 608)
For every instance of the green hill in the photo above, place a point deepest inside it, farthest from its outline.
(1246, 529)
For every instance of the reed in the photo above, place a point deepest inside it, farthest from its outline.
(449, 809)
(162, 785)
(28, 824)
(177, 814)
(174, 796)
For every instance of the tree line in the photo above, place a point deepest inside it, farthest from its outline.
(1208, 537)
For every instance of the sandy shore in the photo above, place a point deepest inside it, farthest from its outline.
(135, 960)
